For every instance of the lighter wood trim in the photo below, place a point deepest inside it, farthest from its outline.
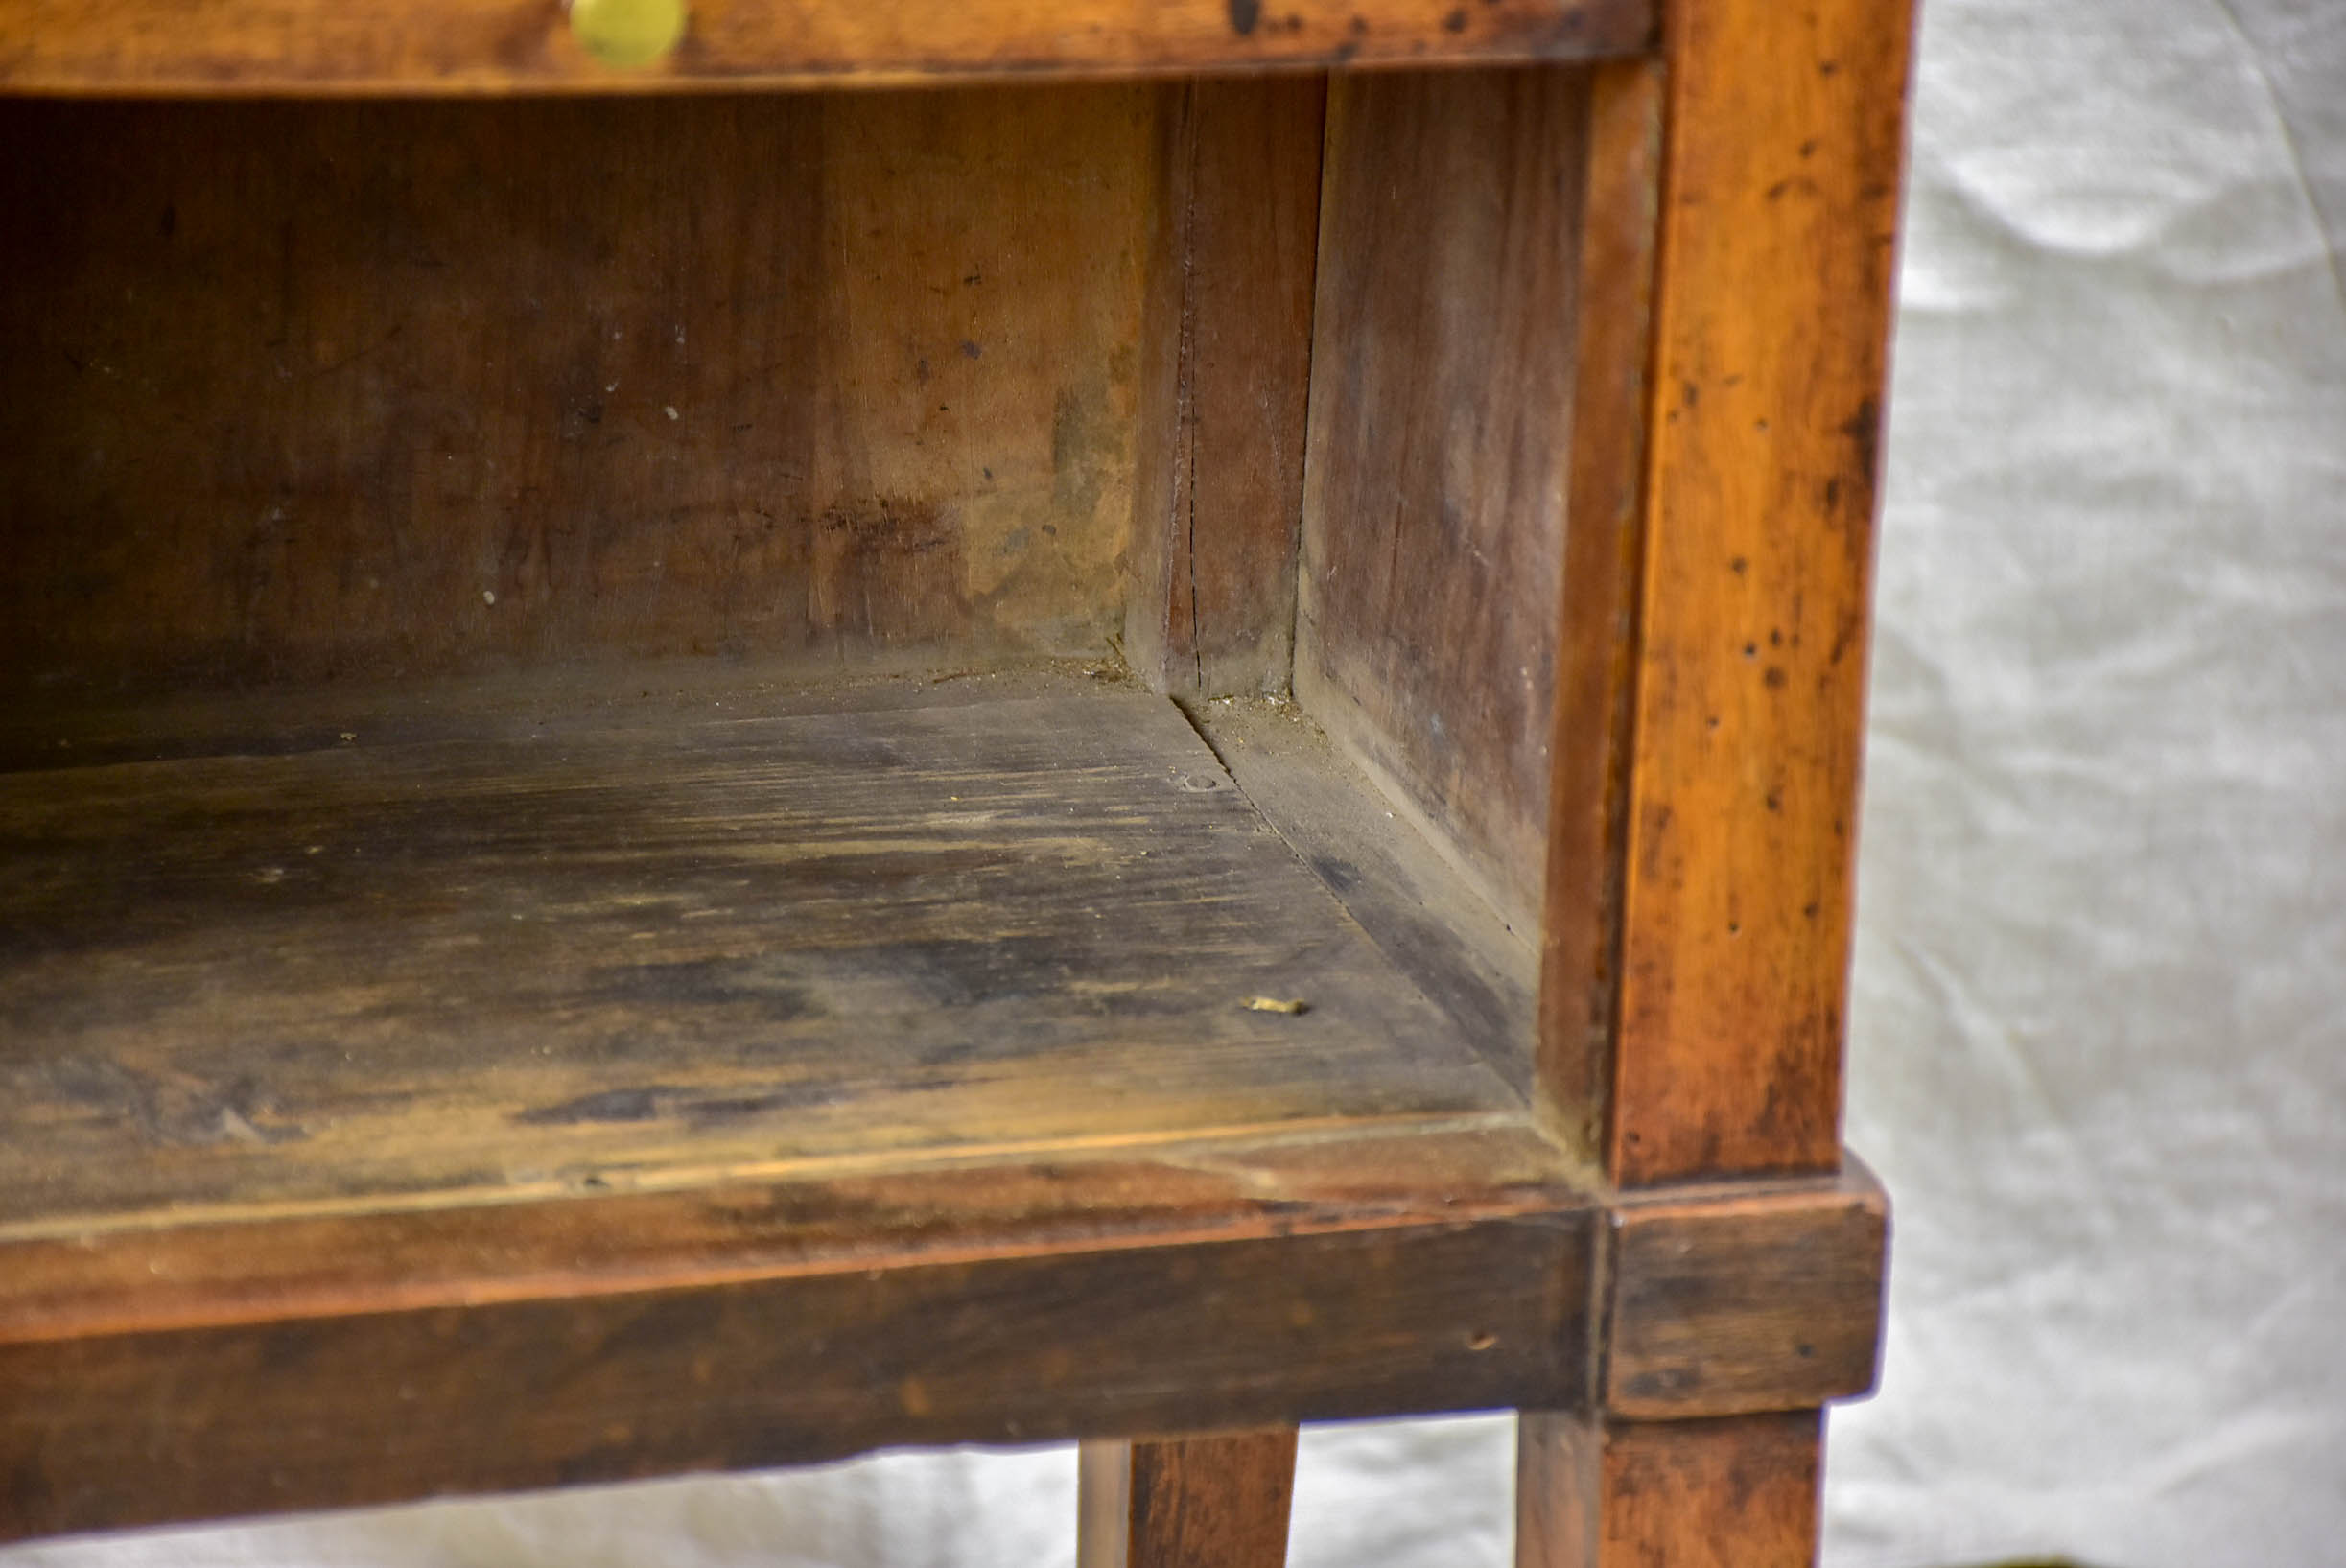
(1103, 1503)
(1782, 149)
(217, 48)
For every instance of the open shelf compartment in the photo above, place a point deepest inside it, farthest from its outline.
(710, 780)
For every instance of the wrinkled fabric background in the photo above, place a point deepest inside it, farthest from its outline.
(2100, 1012)
(2099, 1016)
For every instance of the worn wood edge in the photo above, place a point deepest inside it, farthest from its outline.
(72, 727)
(1579, 932)
(524, 46)
(1265, 1330)
(1737, 1299)
(749, 1224)
(603, 1181)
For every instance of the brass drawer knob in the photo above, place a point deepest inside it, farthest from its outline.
(628, 32)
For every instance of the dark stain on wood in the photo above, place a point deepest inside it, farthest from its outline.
(1737, 1303)
(118, 1430)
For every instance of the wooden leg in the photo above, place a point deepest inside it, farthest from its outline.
(1735, 1492)
(1214, 1502)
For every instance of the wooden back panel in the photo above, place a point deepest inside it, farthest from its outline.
(290, 391)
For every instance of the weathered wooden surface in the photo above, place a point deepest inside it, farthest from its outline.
(1226, 363)
(49, 727)
(1218, 1501)
(1734, 1302)
(699, 1228)
(293, 392)
(1779, 201)
(437, 973)
(1740, 1493)
(1440, 444)
(497, 46)
(1078, 1340)
(695, 1087)
(1425, 918)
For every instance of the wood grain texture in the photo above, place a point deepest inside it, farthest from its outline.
(1216, 1501)
(1580, 931)
(1782, 148)
(503, 46)
(118, 1430)
(52, 727)
(1440, 448)
(1226, 368)
(711, 1228)
(329, 1182)
(1744, 1301)
(415, 974)
(300, 391)
(1740, 1493)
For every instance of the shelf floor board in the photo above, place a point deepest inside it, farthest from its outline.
(376, 977)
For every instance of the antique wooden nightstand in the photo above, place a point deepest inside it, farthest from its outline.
(740, 732)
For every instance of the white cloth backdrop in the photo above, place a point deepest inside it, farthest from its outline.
(2099, 1015)
(2099, 1021)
